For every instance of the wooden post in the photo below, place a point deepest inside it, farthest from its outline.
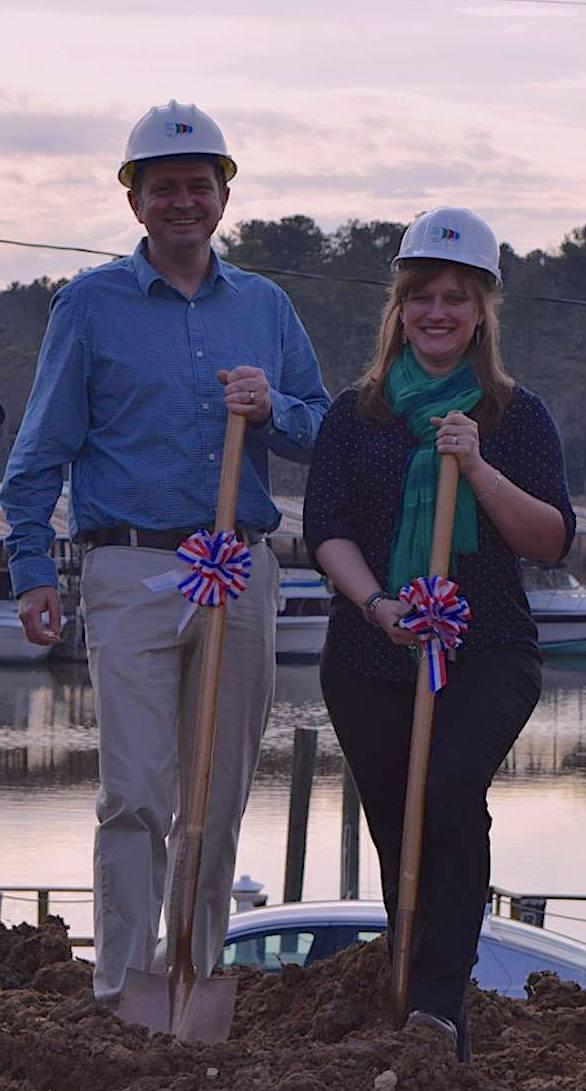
(304, 748)
(350, 847)
(42, 906)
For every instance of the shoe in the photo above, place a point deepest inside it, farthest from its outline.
(436, 1022)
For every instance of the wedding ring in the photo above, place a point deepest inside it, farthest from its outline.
(251, 396)
(455, 441)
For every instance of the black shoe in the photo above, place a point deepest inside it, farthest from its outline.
(435, 1022)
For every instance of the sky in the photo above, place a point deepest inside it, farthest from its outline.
(333, 109)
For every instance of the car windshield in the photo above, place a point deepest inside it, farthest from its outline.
(274, 948)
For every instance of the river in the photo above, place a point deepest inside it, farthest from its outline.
(48, 779)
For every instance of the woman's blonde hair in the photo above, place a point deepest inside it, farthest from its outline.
(413, 275)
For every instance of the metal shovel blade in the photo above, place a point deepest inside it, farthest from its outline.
(208, 1010)
(146, 999)
(203, 1014)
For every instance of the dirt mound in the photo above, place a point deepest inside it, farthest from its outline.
(325, 1028)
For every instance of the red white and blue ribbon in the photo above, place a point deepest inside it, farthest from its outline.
(215, 566)
(219, 566)
(438, 618)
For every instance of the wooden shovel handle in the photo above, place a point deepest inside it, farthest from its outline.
(445, 507)
(211, 654)
(414, 812)
(207, 698)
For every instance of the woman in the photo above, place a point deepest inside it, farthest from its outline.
(436, 386)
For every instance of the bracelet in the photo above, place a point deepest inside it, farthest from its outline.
(498, 477)
(370, 604)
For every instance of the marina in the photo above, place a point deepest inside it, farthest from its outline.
(303, 822)
(48, 780)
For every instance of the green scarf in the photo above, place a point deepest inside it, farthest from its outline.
(416, 397)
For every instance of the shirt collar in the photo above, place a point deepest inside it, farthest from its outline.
(147, 275)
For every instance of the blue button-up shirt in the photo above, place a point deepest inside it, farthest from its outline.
(126, 392)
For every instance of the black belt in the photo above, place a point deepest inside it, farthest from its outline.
(156, 539)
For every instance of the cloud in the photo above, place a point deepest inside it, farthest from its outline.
(230, 8)
(247, 124)
(417, 172)
(34, 133)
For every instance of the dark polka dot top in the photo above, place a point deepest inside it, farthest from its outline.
(354, 491)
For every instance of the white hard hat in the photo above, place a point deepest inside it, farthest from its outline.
(452, 234)
(174, 129)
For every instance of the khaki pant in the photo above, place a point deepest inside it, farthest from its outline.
(145, 684)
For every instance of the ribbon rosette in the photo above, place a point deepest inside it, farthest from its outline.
(438, 618)
(219, 566)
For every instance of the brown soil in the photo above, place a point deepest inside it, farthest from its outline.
(325, 1028)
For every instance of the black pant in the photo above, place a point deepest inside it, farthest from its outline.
(478, 716)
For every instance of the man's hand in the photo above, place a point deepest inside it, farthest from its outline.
(32, 605)
(247, 393)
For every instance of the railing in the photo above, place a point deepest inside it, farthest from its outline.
(42, 900)
(246, 892)
(528, 908)
(531, 908)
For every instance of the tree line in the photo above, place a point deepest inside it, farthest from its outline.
(543, 342)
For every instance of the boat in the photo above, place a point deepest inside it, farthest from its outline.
(302, 617)
(557, 601)
(556, 598)
(14, 646)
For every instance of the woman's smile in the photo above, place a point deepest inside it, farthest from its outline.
(440, 320)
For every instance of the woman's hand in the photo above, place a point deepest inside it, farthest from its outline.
(387, 614)
(530, 527)
(457, 435)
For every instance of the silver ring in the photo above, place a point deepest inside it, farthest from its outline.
(455, 441)
(251, 396)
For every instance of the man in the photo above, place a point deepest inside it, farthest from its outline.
(140, 361)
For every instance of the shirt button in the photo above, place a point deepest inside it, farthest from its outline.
(205, 405)
(199, 353)
(212, 457)
(192, 306)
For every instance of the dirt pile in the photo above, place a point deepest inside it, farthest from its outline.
(325, 1028)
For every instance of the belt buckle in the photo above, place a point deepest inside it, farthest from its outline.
(133, 536)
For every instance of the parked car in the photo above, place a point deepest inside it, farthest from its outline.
(304, 932)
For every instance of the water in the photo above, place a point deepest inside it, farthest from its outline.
(48, 779)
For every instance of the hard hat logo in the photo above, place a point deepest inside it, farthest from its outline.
(448, 233)
(174, 128)
(152, 135)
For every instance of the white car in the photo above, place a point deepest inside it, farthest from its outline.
(304, 932)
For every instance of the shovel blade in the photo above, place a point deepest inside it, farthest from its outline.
(146, 999)
(207, 1012)
(202, 1012)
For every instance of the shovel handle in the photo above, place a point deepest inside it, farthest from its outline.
(207, 698)
(421, 729)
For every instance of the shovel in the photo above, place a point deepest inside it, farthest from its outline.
(179, 1002)
(414, 812)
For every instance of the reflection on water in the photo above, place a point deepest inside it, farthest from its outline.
(48, 777)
